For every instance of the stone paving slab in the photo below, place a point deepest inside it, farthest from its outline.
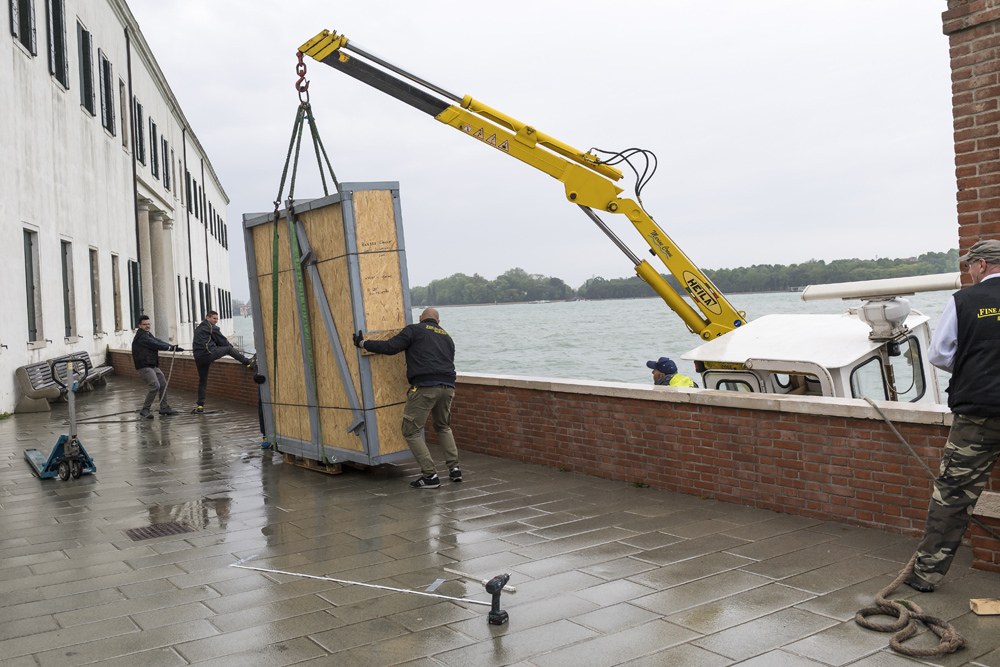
(607, 573)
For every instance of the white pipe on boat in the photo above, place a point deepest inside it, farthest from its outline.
(885, 288)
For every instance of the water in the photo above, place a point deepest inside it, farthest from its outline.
(598, 340)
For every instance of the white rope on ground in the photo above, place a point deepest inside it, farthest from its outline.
(358, 583)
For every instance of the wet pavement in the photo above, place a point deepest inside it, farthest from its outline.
(606, 573)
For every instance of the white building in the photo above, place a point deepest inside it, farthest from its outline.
(108, 201)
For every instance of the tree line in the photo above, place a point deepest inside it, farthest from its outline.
(517, 285)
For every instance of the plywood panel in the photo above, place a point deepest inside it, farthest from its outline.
(390, 427)
(378, 260)
(288, 391)
(373, 269)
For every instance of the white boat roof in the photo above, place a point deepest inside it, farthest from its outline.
(832, 341)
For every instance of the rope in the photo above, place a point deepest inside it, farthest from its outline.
(907, 613)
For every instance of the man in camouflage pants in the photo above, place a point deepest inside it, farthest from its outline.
(967, 344)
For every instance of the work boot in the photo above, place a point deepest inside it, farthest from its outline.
(200, 410)
(918, 584)
(168, 411)
(145, 413)
(455, 474)
(431, 482)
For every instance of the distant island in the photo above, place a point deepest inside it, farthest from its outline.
(518, 286)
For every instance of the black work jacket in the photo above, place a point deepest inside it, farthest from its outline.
(207, 337)
(975, 381)
(430, 352)
(146, 349)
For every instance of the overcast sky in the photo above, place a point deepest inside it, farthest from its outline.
(786, 130)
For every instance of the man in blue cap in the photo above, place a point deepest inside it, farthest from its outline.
(665, 374)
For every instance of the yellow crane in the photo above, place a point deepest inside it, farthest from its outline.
(588, 179)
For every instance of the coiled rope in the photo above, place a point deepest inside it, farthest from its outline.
(905, 626)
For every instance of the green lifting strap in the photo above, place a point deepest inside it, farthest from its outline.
(303, 114)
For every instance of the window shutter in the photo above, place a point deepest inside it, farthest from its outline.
(49, 16)
(110, 93)
(31, 14)
(104, 100)
(65, 45)
(15, 19)
(80, 59)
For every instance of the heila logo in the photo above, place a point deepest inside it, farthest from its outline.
(700, 291)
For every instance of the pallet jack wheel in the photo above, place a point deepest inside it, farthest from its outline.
(75, 469)
(63, 470)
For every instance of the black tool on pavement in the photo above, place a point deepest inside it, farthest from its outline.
(494, 587)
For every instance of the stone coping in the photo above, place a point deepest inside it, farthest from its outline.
(988, 505)
(853, 408)
(909, 413)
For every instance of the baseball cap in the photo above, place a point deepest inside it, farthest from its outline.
(664, 365)
(988, 250)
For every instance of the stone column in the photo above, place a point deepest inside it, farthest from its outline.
(145, 257)
(160, 310)
(170, 281)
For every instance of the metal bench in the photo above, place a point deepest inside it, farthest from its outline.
(39, 388)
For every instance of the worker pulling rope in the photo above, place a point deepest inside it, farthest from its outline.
(908, 613)
(303, 115)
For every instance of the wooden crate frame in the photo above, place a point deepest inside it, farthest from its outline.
(356, 402)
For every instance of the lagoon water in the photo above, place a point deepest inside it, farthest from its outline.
(599, 340)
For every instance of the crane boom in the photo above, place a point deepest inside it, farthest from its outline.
(588, 181)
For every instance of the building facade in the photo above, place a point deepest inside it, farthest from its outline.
(109, 204)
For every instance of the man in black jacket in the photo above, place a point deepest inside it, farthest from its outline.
(430, 370)
(146, 350)
(209, 344)
(967, 345)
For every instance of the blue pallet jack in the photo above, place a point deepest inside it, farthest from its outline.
(68, 458)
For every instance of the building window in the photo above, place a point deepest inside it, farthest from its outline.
(197, 196)
(187, 187)
(58, 57)
(95, 291)
(123, 107)
(167, 161)
(31, 284)
(107, 92)
(69, 300)
(22, 23)
(134, 292)
(187, 299)
(140, 137)
(180, 297)
(85, 51)
(116, 291)
(154, 151)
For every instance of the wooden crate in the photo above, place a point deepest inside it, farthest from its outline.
(354, 274)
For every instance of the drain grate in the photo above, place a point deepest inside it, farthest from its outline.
(159, 530)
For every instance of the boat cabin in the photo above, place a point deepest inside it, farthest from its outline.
(877, 350)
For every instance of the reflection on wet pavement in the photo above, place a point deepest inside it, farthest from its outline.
(606, 573)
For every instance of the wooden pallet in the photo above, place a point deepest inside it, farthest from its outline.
(312, 464)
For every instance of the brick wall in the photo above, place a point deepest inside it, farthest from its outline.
(229, 379)
(973, 29)
(832, 459)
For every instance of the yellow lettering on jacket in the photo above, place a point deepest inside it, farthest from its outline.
(989, 312)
